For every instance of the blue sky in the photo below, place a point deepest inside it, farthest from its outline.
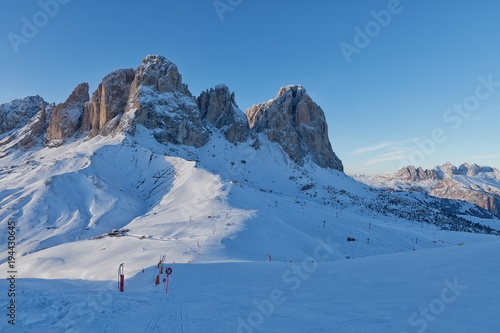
(387, 107)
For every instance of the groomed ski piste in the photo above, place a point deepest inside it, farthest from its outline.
(216, 213)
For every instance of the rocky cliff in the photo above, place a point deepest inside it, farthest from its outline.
(476, 184)
(18, 112)
(479, 185)
(218, 107)
(296, 123)
(67, 117)
(107, 105)
(415, 175)
(153, 96)
(23, 122)
(161, 102)
(482, 196)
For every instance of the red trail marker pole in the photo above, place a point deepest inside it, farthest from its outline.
(121, 277)
(168, 271)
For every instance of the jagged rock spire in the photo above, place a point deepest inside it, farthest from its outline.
(67, 117)
(298, 124)
(218, 107)
(155, 97)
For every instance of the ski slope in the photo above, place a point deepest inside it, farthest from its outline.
(216, 213)
(385, 293)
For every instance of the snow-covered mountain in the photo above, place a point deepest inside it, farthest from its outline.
(479, 185)
(143, 154)
(142, 168)
(181, 172)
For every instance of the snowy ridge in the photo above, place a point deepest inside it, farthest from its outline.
(161, 173)
(224, 202)
(17, 112)
(478, 185)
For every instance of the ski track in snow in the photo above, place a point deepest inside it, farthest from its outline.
(371, 294)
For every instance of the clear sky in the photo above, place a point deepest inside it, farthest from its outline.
(411, 91)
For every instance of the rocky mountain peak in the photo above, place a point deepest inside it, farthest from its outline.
(479, 185)
(160, 74)
(464, 168)
(159, 101)
(17, 112)
(67, 117)
(23, 122)
(108, 103)
(445, 170)
(154, 96)
(296, 123)
(218, 107)
(416, 175)
(473, 170)
(216, 101)
(448, 166)
(293, 89)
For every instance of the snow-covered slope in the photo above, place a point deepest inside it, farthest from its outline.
(217, 203)
(453, 289)
(478, 185)
(153, 171)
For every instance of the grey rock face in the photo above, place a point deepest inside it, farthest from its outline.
(23, 122)
(415, 175)
(67, 117)
(218, 107)
(35, 131)
(107, 102)
(17, 113)
(465, 169)
(465, 183)
(474, 169)
(160, 74)
(297, 124)
(160, 101)
(450, 188)
(446, 169)
(154, 96)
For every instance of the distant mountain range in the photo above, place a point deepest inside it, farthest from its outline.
(479, 185)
